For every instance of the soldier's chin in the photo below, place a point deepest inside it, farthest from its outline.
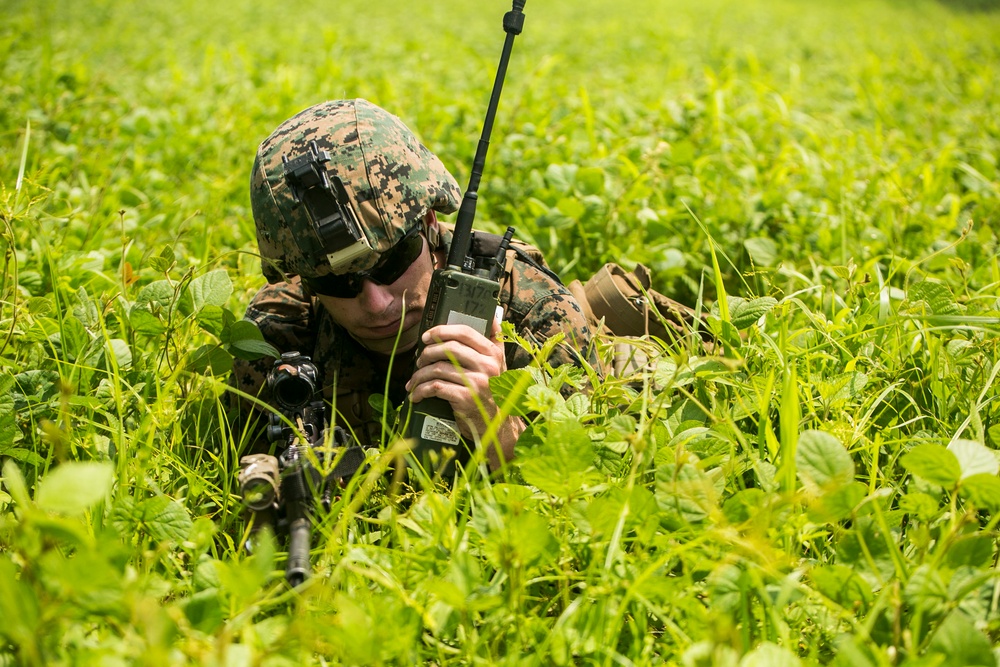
(405, 341)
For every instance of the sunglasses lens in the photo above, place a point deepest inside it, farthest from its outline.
(341, 287)
(397, 261)
(389, 269)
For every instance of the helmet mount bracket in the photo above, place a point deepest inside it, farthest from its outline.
(335, 223)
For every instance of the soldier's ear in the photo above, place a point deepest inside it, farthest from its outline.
(432, 230)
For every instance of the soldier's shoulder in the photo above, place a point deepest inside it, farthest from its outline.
(532, 284)
(281, 302)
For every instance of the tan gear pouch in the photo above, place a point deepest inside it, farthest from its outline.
(628, 305)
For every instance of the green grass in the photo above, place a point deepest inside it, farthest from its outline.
(822, 178)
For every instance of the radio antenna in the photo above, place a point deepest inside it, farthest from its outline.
(513, 23)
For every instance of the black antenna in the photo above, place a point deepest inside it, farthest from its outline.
(513, 22)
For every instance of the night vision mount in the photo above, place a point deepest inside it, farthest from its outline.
(338, 231)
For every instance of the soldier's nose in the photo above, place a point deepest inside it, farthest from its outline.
(374, 297)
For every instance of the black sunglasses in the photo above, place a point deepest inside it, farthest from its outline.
(390, 267)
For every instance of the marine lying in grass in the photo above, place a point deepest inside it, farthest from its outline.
(345, 202)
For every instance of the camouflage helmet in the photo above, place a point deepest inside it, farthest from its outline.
(389, 180)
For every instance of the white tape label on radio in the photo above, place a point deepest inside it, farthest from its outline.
(477, 323)
(440, 430)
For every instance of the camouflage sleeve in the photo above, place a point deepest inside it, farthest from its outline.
(539, 307)
(285, 317)
(550, 316)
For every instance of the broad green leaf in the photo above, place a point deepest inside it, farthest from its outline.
(560, 176)
(73, 338)
(933, 463)
(685, 492)
(19, 606)
(543, 400)
(39, 305)
(247, 342)
(994, 434)
(744, 505)
(87, 577)
(67, 531)
(204, 611)
(511, 386)
(210, 289)
(563, 464)
(121, 352)
(770, 655)
(158, 264)
(926, 590)
(727, 331)
(960, 644)
(822, 460)
(74, 487)
(744, 313)
(145, 322)
(13, 480)
(530, 537)
(921, 505)
(839, 388)
(937, 296)
(212, 319)
(164, 260)
(982, 490)
(36, 385)
(763, 250)
(727, 587)
(252, 350)
(974, 458)
(158, 292)
(206, 574)
(164, 518)
(87, 310)
(606, 512)
(590, 180)
(210, 358)
(8, 422)
(241, 330)
(21, 454)
(838, 504)
(843, 585)
(975, 550)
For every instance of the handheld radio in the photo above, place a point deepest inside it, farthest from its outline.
(459, 294)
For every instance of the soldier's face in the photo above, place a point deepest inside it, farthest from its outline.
(380, 313)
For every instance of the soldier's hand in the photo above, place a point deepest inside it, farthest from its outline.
(456, 365)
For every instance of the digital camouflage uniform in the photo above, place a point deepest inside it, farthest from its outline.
(390, 178)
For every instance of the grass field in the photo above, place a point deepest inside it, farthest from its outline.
(821, 179)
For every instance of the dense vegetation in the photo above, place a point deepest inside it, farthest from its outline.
(821, 179)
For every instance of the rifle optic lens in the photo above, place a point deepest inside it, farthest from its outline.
(259, 481)
(292, 381)
(293, 392)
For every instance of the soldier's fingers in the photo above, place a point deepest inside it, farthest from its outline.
(476, 380)
(464, 394)
(489, 360)
(459, 333)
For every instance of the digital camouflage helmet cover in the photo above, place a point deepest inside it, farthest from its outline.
(337, 185)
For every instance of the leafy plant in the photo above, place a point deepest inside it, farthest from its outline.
(820, 487)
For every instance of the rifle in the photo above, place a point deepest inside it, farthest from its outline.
(458, 293)
(282, 490)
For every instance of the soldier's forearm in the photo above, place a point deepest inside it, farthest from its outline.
(501, 450)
